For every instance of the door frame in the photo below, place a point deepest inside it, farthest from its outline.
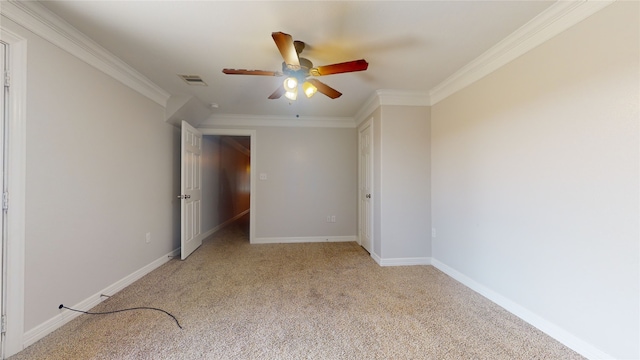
(4, 66)
(16, 157)
(252, 174)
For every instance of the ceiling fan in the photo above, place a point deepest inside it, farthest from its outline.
(298, 70)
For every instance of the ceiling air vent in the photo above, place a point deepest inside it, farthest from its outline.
(193, 80)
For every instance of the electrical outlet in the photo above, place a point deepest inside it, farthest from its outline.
(328, 218)
(333, 218)
(433, 232)
(147, 238)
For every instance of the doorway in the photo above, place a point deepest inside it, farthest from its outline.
(236, 187)
(226, 182)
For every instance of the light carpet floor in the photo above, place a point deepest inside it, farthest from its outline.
(295, 301)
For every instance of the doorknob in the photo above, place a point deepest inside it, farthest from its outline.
(184, 196)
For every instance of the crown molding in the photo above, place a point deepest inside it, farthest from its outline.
(369, 106)
(557, 18)
(36, 18)
(256, 121)
(391, 97)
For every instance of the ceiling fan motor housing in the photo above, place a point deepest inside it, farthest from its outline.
(300, 73)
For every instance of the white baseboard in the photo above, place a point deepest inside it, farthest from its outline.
(65, 316)
(308, 239)
(402, 261)
(571, 341)
(376, 258)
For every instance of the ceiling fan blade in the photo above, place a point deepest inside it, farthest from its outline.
(325, 89)
(285, 44)
(251, 72)
(349, 66)
(277, 94)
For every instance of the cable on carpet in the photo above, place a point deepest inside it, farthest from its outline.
(117, 311)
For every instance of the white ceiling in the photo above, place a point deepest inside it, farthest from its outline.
(410, 45)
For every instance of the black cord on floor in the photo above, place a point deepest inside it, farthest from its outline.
(117, 311)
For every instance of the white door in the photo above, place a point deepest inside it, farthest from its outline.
(190, 190)
(3, 165)
(365, 187)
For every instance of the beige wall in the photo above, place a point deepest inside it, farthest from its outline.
(100, 174)
(402, 183)
(535, 173)
(311, 173)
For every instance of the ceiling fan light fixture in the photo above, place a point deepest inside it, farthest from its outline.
(291, 95)
(291, 84)
(309, 89)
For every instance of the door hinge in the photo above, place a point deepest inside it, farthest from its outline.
(7, 79)
(3, 324)
(5, 201)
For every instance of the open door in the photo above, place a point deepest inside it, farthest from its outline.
(190, 190)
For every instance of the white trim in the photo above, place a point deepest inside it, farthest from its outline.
(391, 97)
(551, 22)
(580, 346)
(38, 19)
(376, 258)
(369, 106)
(411, 261)
(16, 187)
(65, 316)
(308, 239)
(252, 165)
(253, 120)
